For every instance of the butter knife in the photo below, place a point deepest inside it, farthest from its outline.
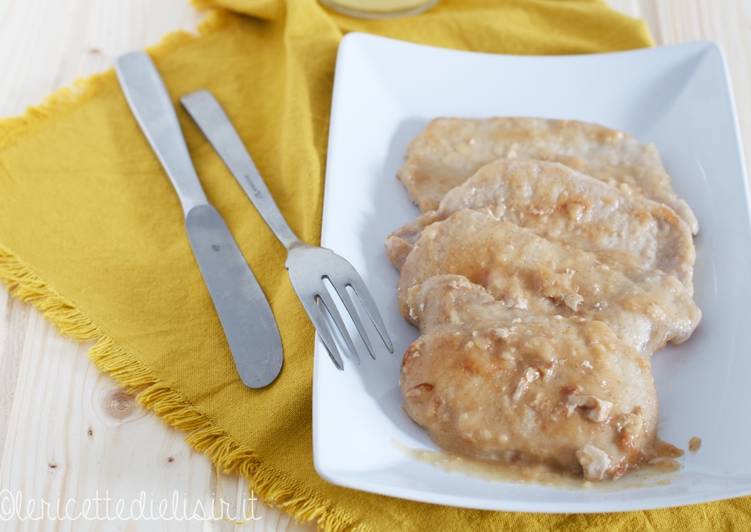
(244, 312)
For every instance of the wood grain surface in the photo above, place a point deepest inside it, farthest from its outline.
(68, 432)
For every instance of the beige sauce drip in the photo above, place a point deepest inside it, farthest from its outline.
(537, 473)
(663, 449)
(694, 444)
(653, 473)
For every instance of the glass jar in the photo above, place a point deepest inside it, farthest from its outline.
(378, 9)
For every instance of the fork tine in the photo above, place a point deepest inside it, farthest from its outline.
(322, 328)
(366, 299)
(349, 304)
(328, 302)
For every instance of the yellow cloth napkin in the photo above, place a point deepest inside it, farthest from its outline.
(92, 233)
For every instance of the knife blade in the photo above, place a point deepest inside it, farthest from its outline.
(244, 312)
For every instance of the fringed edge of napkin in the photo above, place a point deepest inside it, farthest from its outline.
(226, 453)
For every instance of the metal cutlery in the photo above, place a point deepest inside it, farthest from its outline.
(309, 267)
(243, 310)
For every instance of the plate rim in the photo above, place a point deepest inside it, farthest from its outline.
(354, 39)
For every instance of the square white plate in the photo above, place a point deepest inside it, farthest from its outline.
(677, 97)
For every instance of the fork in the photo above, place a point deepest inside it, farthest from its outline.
(309, 267)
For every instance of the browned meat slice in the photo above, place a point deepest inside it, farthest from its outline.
(450, 150)
(496, 384)
(529, 273)
(566, 206)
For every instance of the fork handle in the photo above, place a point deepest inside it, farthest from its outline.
(216, 126)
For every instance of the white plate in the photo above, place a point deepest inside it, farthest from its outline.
(677, 97)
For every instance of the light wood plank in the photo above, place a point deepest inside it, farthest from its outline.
(46, 45)
(65, 430)
(50, 394)
(13, 321)
(75, 434)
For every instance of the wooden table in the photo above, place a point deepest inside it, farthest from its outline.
(67, 431)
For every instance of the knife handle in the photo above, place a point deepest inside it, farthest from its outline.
(217, 127)
(151, 105)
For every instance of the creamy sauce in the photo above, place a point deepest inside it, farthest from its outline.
(654, 473)
(694, 444)
(664, 449)
(664, 465)
(538, 474)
